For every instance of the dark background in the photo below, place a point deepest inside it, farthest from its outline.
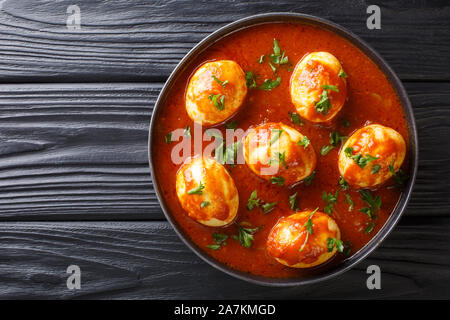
(75, 187)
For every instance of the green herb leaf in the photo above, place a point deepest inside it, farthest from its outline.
(204, 204)
(261, 59)
(330, 87)
(330, 199)
(253, 201)
(220, 237)
(375, 169)
(374, 203)
(187, 132)
(218, 100)
(277, 180)
(268, 207)
(400, 176)
(323, 105)
(325, 149)
(293, 201)
(213, 246)
(277, 57)
(304, 142)
(276, 47)
(333, 242)
(369, 228)
(308, 180)
(250, 80)
(344, 184)
(345, 123)
(359, 159)
(222, 83)
(270, 84)
(295, 118)
(275, 135)
(281, 158)
(197, 190)
(347, 248)
(336, 138)
(309, 225)
(342, 74)
(349, 200)
(245, 236)
(168, 137)
(274, 69)
(231, 125)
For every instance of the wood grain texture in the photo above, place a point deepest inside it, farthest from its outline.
(130, 260)
(144, 40)
(79, 151)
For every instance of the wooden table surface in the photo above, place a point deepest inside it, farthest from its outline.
(75, 187)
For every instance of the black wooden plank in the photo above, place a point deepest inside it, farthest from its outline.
(144, 40)
(79, 152)
(137, 260)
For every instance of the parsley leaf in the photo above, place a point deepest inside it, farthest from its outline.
(375, 169)
(324, 104)
(333, 242)
(325, 149)
(295, 118)
(168, 137)
(304, 142)
(268, 207)
(250, 80)
(369, 228)
(204, 204)
(374, 203)
(187, 132)
(400, 176)
(344, 184)
(309, 225)
(349, 200)
(218, 100)
(231, 125)
(245, 236)
(359, 159)
(270, 84)
(345, 123)
(213, 246)
(330, 199)
(342, 74)
(277, 180)
(281, 158)
(222, 83)
(308, 180)
(293, 202)
(261, 59)
(275, 135)
(253, 201)
(277, 57)
(335, 139)
(197, 190)
(220, 239)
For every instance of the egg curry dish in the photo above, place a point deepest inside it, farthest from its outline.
(318, 167)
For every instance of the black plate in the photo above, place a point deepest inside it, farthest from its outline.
(395, 82)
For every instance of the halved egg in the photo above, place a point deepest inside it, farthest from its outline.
(371, 155)
(279, 153)
(318, 87)
(303, 240)
(215, 92)
(207, 192)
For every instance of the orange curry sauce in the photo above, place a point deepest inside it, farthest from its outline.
(370, 99)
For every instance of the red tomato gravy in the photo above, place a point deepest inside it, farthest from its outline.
(370, 99)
